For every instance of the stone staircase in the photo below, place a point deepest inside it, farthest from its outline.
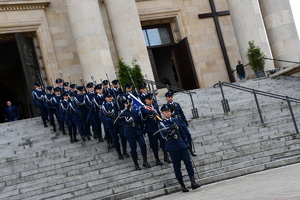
(39, 164)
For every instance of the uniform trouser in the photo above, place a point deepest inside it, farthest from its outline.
(51, 115)
(132, 143)
(71, 127)
(79, 125)
(114, 135)
(187, 134)
(59, 119)
(176, 157)
(85, 125)
(153, 140)
(96, 125)
(43, 112)
(106, 131)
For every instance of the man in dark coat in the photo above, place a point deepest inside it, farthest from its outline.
(11, 112)
(177, 146)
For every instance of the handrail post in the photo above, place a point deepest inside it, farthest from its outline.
(258, 108)
(224, 102)
(194, 110)
(292, 114)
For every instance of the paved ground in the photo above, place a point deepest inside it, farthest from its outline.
(276, 184)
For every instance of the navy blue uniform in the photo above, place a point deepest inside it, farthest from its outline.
(81, 103)
(177, 146)
(95, 115)
(48, 105)
(110, 111)
(178, 113)
(133, 131)
(151, 126)
(67, 119)
(55, 104)
(91, 115)
(76, 116)
(38, 102)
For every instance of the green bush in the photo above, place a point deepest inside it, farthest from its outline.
(255, 56)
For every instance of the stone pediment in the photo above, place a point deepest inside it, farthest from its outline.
(23, 5)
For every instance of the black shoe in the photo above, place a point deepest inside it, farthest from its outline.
(191, 151)
(45, 125)
(145, 163)
(119, 154)
(84, 139)
(126, 154)
(95, 137)
(109, 146)
(75, 140)
(183, 188)
(166, 157)
(137, 167)
(101, 140)
(71, 140)
(158, 162)
(88, 137)
(193, 183)
(54, 129)
(64, 132)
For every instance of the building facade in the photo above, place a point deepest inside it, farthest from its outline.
(185, 43)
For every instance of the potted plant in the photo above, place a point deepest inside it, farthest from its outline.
(255, 58)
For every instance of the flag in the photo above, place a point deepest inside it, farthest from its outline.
(136, 103)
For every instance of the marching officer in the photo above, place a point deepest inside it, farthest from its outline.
(38, 101)
(117, 94)
(55, 104)
(143, 92)
(66, 118)
(97, 102)
(133, 131)
(114, 125)
(59, 82)
(177, 146)
(66, 87)
(151, 126)
(178, 113)
(105, 87)
(76, 114)
(82, 104)
(128, 87)
(48, 105)
(73, 88)
(90, 95)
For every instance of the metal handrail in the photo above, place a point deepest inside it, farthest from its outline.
(226, 107)
(169, 87)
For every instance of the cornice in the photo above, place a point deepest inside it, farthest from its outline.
(142, 0)
(23, 5)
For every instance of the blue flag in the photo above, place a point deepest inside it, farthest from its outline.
(136, 103)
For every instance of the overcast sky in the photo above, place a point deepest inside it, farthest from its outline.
(295, 4)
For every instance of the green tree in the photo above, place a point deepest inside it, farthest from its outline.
(125, 70)
(255, 56)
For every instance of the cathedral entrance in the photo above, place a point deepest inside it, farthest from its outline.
(171, 63)
(18, 71)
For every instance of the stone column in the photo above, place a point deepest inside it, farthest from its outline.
(248, 26)
(91, 41)
(127, 33)
(281, 30)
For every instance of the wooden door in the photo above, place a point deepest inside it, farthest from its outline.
(185, 66)
(30, 67)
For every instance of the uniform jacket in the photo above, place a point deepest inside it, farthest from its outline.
(38, 97)
(178, 113)
(150, 121)
(110, 113)
(132, 123)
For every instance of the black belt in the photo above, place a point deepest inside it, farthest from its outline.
(174, 136)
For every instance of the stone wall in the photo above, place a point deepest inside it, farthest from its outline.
(201, 34)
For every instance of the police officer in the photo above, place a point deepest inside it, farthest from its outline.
(128, 87)
(133, 131)
(81, 103)
(66, 118)
(105, 87)
(151, 126)
(110, 111)
(76, 113)
(143, 92)
(94, 112)
(59, 82)
(177, 146)
(178, 113)
(90, 95)
(55, 104)
(38, 101)
(66, 87)
(48, 105)
(117, 94)
(73, 88)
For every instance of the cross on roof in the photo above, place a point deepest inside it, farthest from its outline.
(215, 16)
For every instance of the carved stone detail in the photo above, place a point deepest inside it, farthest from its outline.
(23, 5)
